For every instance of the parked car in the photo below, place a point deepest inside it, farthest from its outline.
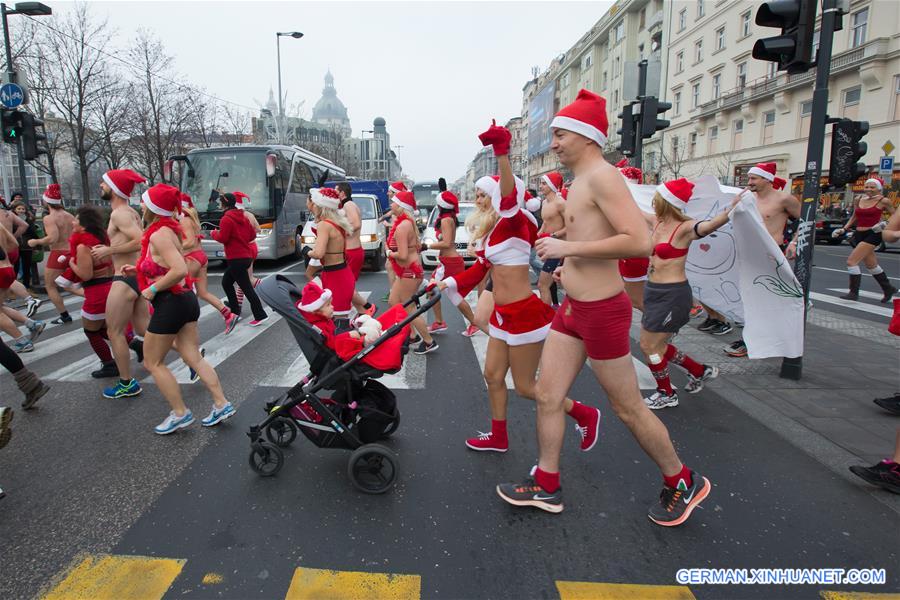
(430, 257)
(371, 233)
(825, 225)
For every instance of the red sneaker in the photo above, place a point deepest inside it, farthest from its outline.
(589, 430)
(371, 310)
(486, 442)
(231, 322)
(471, 330)
(437, 327)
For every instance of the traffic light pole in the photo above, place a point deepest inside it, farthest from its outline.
(792, 368)
(23, 179)
(638, 158)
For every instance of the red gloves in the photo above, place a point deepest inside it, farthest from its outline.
(498, 137)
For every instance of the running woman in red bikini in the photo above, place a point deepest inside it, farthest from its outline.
(332, 229)
(519, 321)
(451, 262)
(354, 253)
(633, 270)
(603, 224)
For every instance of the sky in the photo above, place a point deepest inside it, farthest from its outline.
(437, 72)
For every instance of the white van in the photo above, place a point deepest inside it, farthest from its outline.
(371, 233)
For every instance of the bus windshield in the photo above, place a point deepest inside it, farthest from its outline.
(227, 172)
(426, 194)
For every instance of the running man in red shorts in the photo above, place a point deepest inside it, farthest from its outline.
(603, 224)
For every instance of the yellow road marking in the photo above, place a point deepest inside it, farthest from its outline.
(577, 590)
(857, 596)
(212, 578)
(322, 584)
(104, 577)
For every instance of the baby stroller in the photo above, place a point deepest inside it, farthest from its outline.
(360, 412)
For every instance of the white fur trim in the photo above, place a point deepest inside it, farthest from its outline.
(511, 251)
(320, 200)
(402, 205)
(549, 183)
(314, 306)
(519, 339)
(443, 203)
(452, 292)
(642, 278)
(92, 317)
(761, 172)
(669, 197)
(533, 204)
(395, 190)
(877, 183)
(114, 187)
(487, 185)
(579, 127)
(154, 208)
(53, 201)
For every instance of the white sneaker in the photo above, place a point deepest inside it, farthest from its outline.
(173, 423)
(695, 384)
(659, 400)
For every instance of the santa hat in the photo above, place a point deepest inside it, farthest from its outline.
(877, 181)
(242, 200)
(767, 171)
(586, 116)
(505, 207)
(313, 298)
(630, 173)
(122, 181)
(186, 201)
(397, 186)
(676, 192)
(162, 199)
(448, 201)
(532, 204)
(53, 195)
(405, 200)
(325, 197)
(554, 181)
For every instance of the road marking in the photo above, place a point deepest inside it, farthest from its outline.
(76, 316)
(863, 293)
(50, 346)
(262, 275)
(844, 271)
(309, 584)
(118, 578)
(577, 590)
(646, 380)
(875, 310)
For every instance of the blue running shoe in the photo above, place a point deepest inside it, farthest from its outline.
(36, 329)
(195, 376)
(123, 389)
(217, 415)
(23, 345)
(173, 423)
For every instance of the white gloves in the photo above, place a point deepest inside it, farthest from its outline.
(837, 232)
(879, 226)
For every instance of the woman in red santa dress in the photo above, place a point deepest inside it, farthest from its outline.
(519, 321)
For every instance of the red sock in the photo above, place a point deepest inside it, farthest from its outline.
(661, 375)
(580, 412)
(681, 359)
(684, 475)
(129, 333)
(99, 345)
(548, 481)
(256, 282)
(240, 295)
(498, 430)
(225, 312)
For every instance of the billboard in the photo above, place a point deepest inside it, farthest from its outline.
(540, 113)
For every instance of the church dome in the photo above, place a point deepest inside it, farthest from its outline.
(329, 108)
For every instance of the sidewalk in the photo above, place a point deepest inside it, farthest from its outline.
(829, 412)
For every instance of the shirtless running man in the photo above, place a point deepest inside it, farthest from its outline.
(553, 215)
(122, 304)
(603, 224)
(58, 225)
(17, 226)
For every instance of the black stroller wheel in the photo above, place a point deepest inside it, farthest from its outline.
(281, 432)
(372, 469)
(393, 425)
(266, 459)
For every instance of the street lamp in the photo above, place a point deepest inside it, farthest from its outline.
(31, 9)
(278, 35)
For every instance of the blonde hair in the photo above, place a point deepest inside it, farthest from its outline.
(664, 210)
(480, 222)
(412, 218)
(192, 213)
(334, 216)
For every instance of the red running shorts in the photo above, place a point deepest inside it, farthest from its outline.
(602, 325)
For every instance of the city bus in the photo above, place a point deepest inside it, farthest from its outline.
(426, 193)
(276, 178)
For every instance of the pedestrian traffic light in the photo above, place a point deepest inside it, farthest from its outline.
(12, 126)
(847, 148)
(792, 50)
(31, 136)
(650, 107)
(628, 131)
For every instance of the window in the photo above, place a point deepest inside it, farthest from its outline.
(682, 19)
(806, 108)
(616, 98)
(850, 102)
(745, 24)
(695, 95)
(700, 10)
(897, 97)
(717, 85)
(772, 70)
(674, 144)
(860, 21)
(769, 118)
(586, 61)
(605, 80)
(713, 139)
(768, 127)
(692, 148)
(815, 49)
(617, 66)
(302, 179)
(642, 18)
(620, 31)
(677, 102)
(698, 51)
(641, 51)
(564, 81)
(720, 38)
(679, 61)
(737, 134)
(742, 75)
(805, 114)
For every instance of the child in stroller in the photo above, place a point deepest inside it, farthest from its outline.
(360, 411)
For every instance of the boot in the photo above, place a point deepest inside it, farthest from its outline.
(886, 286)
(109, 369)
(853, 294)
(31, 386)
(138, 347)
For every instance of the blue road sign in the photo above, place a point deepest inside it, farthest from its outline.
(886, 164)
(11, 95)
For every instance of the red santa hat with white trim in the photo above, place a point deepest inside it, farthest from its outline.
(448, 201)
(53, 195)
(632, 174)
(186, 201)
(122, 181)
(405, 200)
(585, 116)
(767, 171)
(397, 186)
(876, 181)
(676, 192)
(532, 204)
(313, 297)
(325, 197)
(505, 206)
(162, 199)
(554, 181)
(242, 200)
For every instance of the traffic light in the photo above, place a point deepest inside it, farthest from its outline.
(650, 107)
(31, 136)
(12, 126)
(847, 148)
(628, 131)
(792, 50)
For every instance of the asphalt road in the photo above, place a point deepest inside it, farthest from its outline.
(87, 476)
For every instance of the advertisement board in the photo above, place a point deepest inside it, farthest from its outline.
(540, 113)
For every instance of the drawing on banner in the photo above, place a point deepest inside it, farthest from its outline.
(782, 283)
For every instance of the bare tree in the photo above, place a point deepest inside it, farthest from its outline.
(205, 118)
(674, 159)
(113, 111)
(237, 124)
(721, 165)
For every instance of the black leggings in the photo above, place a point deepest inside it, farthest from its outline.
(25, 265)
(236, 272)
(9, 359)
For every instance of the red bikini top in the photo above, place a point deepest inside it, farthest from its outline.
(391, 242)
(147, 268)
(868, 217)
(666, 250)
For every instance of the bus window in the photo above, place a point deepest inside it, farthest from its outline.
(303, 179)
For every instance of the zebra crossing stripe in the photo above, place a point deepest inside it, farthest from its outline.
(115, 577)
(312, 584)
(45, 347)
(578, 590)
(869, 308)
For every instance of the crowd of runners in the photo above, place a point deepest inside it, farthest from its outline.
(142, 277)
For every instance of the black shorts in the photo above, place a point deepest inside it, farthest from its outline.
(489, 286)
(667, 306)
(550, 265)
(868, 236)
(171, 312)
(131, 281)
